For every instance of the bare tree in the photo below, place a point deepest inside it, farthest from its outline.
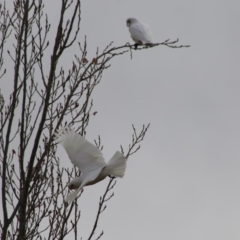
(42, 99)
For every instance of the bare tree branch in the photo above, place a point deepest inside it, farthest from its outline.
(33, 184)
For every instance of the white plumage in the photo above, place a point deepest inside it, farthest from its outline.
(88, 158)
(140, 32)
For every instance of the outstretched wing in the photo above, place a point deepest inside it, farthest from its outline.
(141, 32)
(82, 153)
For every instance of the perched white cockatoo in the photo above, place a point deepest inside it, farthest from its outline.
(88, 158)
(140, 32)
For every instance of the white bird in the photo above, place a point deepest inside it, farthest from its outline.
(88, 158)
(140, 32)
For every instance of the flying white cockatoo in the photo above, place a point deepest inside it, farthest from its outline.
(140, 32)
(88, 158)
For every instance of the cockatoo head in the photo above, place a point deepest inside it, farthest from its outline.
(131, 21)
(74, 184)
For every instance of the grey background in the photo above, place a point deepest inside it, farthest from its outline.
(184, 182)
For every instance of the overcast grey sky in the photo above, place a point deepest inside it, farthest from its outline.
(184, 183)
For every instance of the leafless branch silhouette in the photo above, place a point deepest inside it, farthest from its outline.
(45, 96)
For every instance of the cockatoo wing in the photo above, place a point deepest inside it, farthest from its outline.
(83, 154)
(140, 32)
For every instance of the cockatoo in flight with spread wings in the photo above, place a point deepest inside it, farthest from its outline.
(88, 158)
